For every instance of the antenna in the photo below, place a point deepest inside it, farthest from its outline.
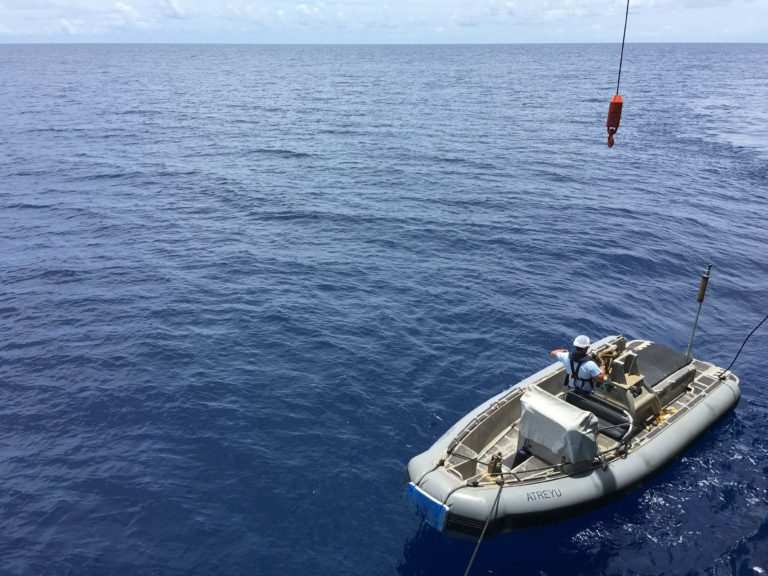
(700, 299)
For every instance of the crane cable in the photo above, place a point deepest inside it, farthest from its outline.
(623, 39)
(614, 107)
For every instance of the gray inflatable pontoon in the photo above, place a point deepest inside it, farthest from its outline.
(540, 452)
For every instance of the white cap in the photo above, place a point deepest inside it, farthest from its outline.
(581, 342)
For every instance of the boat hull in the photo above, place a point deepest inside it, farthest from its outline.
(465, 509)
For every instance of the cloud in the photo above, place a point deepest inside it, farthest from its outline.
(173, 9)
(121, 17)
(29, 4)
(305, 10)
(310, 14)
(244, 16)
(546, 10)
(384, 20)
(71, 27)
(320, 15)
(125, 17)
(127, 11)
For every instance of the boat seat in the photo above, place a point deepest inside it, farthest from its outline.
(613, 423)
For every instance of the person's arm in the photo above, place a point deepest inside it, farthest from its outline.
(558, 351)
(600, 376)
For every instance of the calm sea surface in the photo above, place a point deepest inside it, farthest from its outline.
(240, 286)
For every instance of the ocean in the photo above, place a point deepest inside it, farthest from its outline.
(243, 285)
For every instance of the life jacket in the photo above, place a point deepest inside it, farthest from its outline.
(585, 385)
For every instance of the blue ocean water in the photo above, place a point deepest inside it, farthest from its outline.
(243, 285)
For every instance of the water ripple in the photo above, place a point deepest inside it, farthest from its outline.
(243, 285)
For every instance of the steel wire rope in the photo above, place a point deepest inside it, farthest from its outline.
(722, 374)
(623, 38)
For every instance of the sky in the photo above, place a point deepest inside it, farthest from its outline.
(381, 21)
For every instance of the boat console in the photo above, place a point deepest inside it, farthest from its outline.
(625, 387)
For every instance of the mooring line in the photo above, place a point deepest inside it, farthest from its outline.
(494, 508)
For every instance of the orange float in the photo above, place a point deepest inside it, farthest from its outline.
(614, 117)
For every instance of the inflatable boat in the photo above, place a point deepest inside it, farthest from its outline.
(540, 451)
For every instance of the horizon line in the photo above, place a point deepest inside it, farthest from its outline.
(224, 43)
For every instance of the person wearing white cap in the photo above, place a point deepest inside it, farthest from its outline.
(582, 373)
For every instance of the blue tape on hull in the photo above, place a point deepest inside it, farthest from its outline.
(433, 511)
